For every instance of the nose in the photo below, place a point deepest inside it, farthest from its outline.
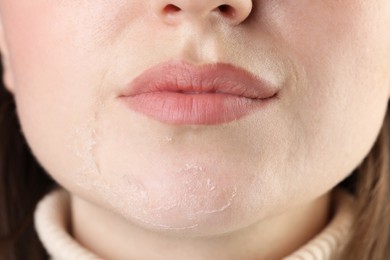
(232, 11)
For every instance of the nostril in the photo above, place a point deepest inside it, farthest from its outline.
(226, 10)
(232, 14)
(171, 9)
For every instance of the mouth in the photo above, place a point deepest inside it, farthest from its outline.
(180, 93)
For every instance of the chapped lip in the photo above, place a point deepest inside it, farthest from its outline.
(180, 93)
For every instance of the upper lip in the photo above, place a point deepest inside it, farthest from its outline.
(183, 77)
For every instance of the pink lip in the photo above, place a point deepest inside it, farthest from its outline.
(180, 93)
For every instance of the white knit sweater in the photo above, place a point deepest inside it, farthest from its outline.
(52, 220)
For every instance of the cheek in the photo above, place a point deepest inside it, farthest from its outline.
(338, 98)
(55, 87)
(341, 52)
(61, 45)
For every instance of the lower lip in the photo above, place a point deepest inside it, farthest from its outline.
(199, 109)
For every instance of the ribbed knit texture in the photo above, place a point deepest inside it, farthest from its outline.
(52, 218)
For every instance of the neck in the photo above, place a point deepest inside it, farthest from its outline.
(273, 238)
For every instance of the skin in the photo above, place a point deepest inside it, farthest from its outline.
(255, 187)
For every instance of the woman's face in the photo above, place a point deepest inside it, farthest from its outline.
(68, 61)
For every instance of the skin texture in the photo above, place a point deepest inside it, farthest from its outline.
(259, 179)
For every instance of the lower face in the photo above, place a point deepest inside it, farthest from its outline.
(68, 64)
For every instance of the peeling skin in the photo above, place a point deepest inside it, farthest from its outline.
(141, 217)
(168, 139)
(83, 143)
(190, 203)
(223, 208)
(195, 193)
(194, 167)
(210, 185)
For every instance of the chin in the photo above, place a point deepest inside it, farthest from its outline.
(191, 202)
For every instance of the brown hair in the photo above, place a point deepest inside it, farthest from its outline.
(23, 183)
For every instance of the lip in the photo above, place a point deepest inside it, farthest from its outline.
(180, 93)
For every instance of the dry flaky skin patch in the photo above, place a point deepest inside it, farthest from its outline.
(194, 194)
(83, 143)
